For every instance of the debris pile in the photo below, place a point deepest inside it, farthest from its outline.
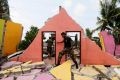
(25, 71)
(41, 71)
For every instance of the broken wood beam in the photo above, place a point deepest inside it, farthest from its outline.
(101, 73)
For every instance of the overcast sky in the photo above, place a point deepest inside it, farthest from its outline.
(36, 12)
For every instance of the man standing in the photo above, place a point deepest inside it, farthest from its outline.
(49, 47)
(67, 49)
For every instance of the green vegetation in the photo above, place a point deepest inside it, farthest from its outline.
(109, 19)
(30, 35)
(4, 10)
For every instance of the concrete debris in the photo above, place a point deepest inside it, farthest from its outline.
(41, 71)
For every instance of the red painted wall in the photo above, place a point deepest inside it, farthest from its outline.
(60, 23)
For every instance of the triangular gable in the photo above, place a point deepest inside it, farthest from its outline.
(59, 23)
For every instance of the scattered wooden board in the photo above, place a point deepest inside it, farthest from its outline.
(89, 71)
(23, 67)
(79, 77)
(105, 75)
(102, 68)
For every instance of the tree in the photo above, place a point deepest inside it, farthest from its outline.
(110, 18)
(4, 10)
(110, 14)
(30, 35)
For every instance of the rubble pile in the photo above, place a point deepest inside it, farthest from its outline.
(41, 71)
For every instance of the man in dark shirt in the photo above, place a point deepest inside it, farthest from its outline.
(49, 47)
(67, 49)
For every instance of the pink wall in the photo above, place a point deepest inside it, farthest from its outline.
(108, 42)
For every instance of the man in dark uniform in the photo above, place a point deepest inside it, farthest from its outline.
(67, 49)
(49, 47)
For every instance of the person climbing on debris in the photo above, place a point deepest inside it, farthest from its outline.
(49, 47)
(67, 49)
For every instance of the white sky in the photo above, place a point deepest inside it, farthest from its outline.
(73, 34)
(36, 12)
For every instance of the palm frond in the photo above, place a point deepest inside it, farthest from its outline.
(96, 29)
(88, 33)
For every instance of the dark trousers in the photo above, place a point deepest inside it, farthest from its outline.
(67, 51)
(49, 50)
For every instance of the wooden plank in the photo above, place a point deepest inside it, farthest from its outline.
(102, 68)
(23, 67)
(19, 70)
(79, 77)
(19, 66)
(35, 64)
(89, 71)
(14, 70)
(102, 73)
(11, 69)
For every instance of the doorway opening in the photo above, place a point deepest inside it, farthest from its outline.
(76, 44)
(49, 47)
